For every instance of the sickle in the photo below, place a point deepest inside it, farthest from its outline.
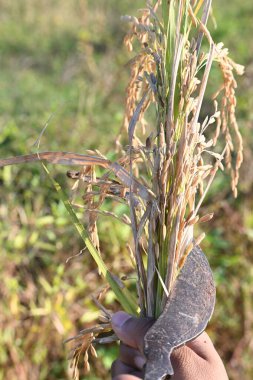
(185, 316)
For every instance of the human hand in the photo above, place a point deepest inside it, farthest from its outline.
(197, 360)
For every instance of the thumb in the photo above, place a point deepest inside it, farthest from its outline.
(131, 330)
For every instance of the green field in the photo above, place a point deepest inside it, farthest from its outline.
(63, 65)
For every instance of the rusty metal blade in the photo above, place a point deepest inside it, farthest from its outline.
(185, 316)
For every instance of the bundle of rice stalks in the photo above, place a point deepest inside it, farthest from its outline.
(168, 165)
(178, 158)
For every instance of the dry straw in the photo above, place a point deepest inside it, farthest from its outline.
(169, 164)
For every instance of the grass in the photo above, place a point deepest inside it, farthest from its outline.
(38, 244)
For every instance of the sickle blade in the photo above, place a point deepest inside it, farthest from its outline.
(185, 316)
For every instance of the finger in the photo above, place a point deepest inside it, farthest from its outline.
(131, 357)
(181, 355)
(203, 347)
(119, 369)
(198, 362)
(131, 330)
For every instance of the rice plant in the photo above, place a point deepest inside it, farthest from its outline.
(166, 162)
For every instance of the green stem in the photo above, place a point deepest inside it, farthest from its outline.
(121, 292)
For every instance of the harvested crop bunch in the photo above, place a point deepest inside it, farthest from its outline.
(169, 163)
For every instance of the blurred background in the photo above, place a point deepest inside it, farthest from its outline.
(63, 64)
